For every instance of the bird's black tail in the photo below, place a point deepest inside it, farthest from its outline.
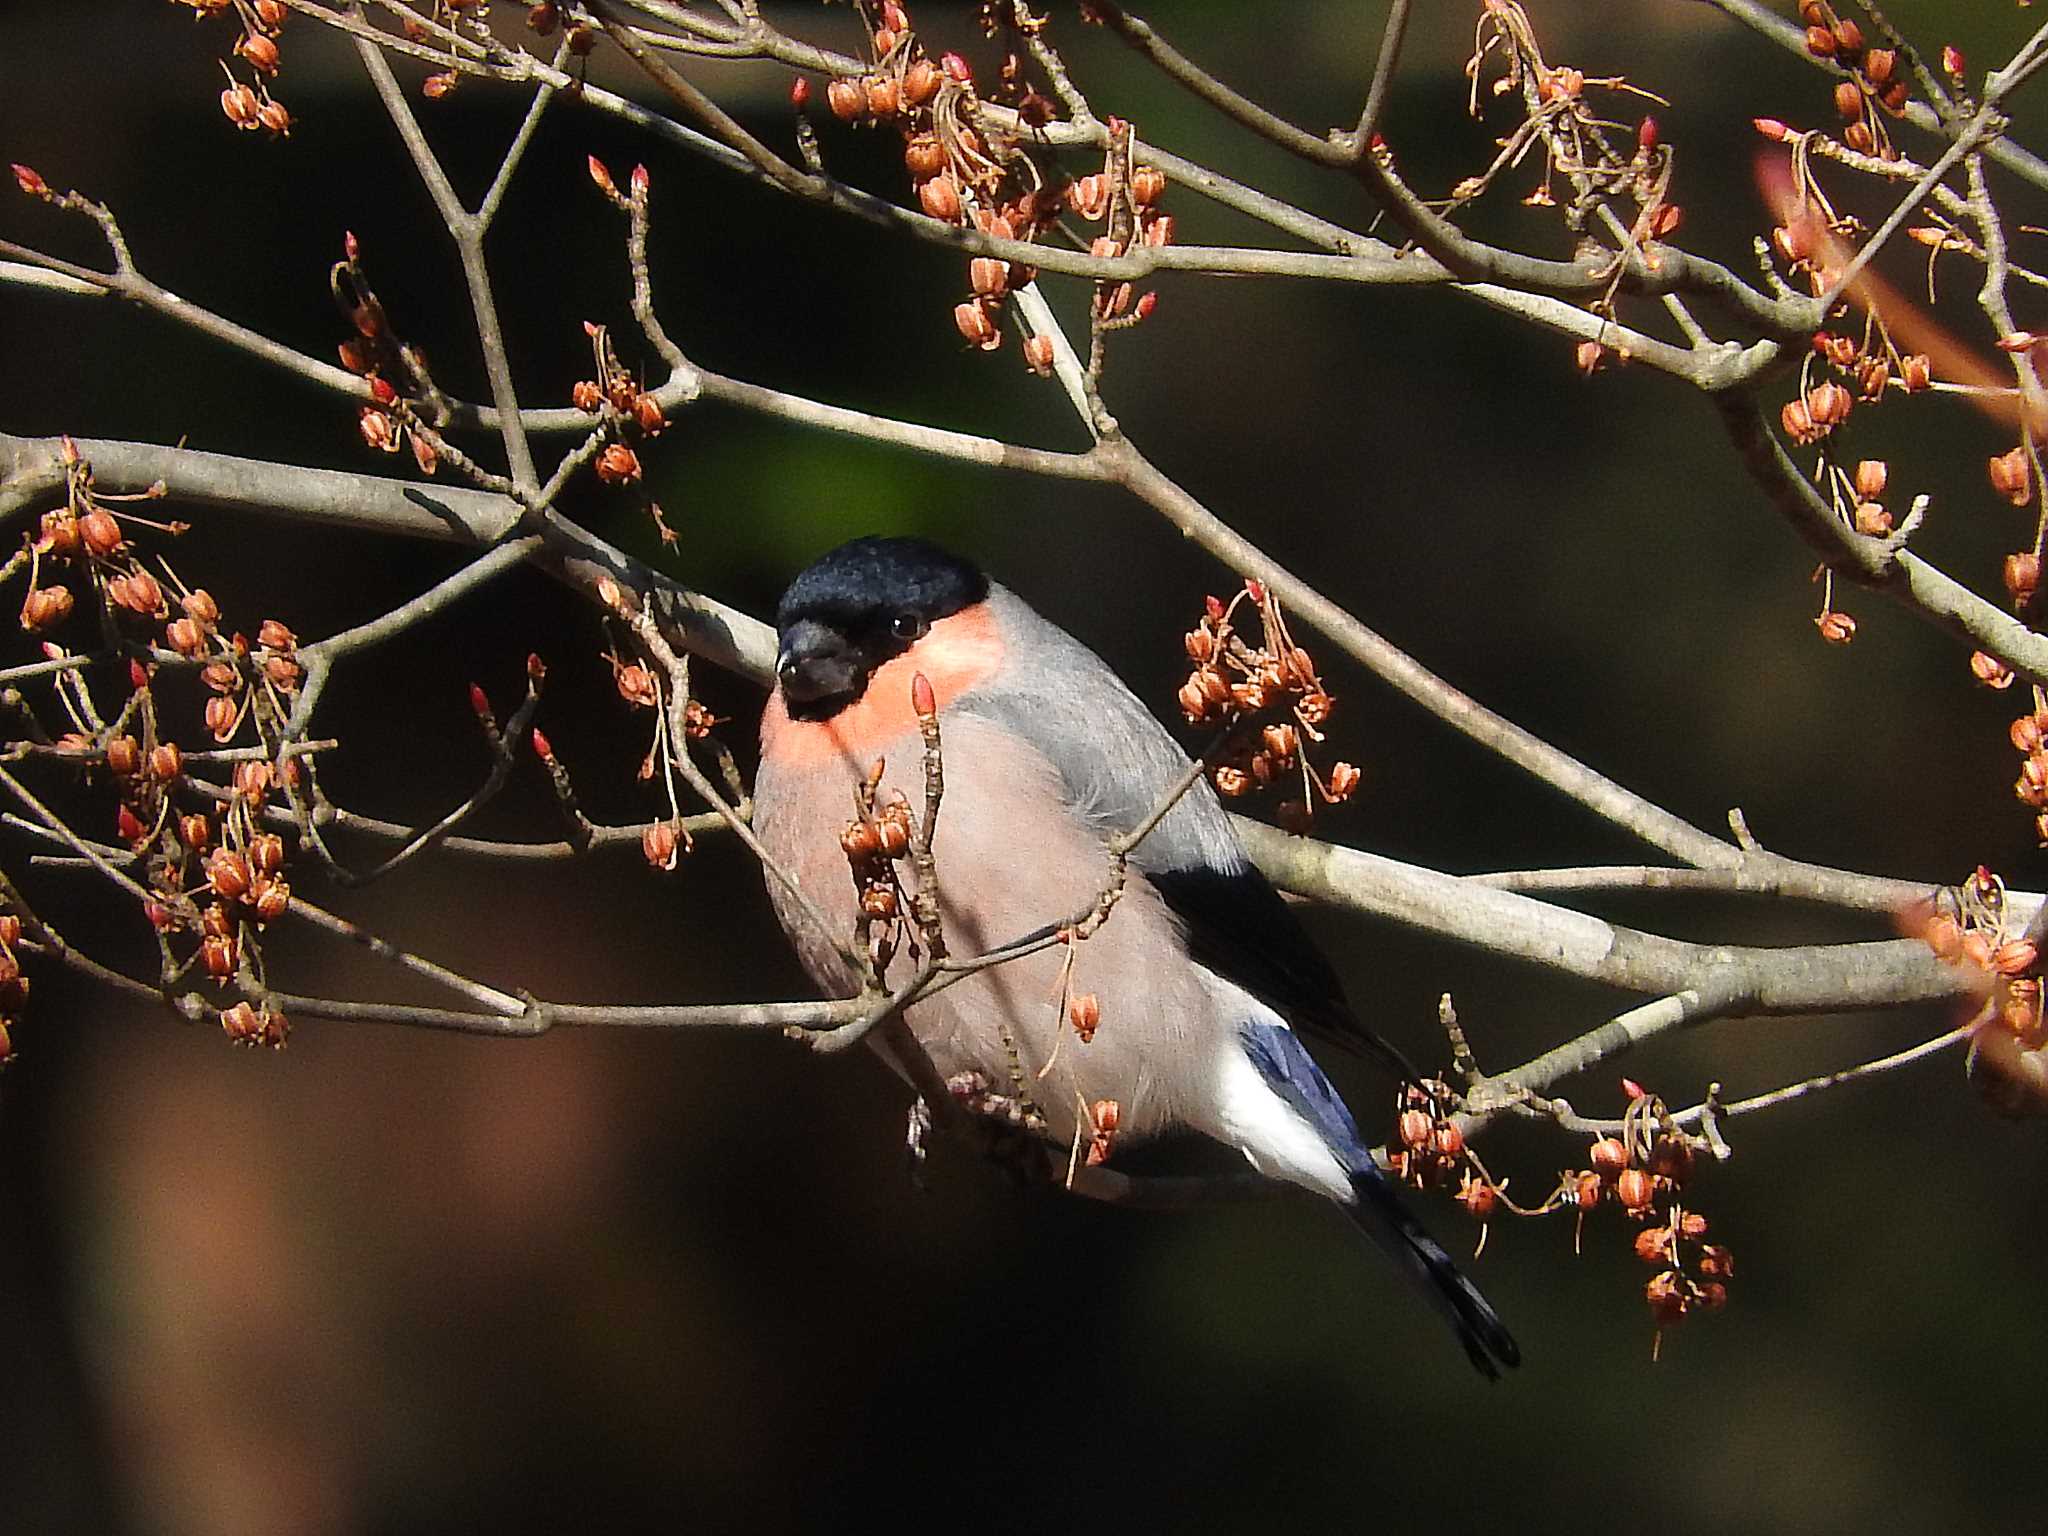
(1383, 1217)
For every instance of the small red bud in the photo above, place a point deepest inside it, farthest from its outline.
(30, 182)
(542, 748)
(923, 701)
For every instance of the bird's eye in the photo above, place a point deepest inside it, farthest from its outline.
(907, 627)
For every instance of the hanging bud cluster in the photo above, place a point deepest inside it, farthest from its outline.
(1971, 924)
(213, 874)
(248, 104)
(1237, 678)
(13, 984)
(1876, 78)
(625, 410)
(1646, 1172)
(2029, 736)
(395, 371)
(1430, 1146)
(1591, 157)
(84, 549)
(875, 842)
(969, 169)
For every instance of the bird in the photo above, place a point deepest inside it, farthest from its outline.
(1202, 976)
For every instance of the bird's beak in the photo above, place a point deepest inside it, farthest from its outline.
(816, 663)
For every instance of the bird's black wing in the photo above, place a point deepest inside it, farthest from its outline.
(1238, 926)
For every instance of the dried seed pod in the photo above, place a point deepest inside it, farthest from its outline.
(988, 277)
(220, 954)
(240, 105)
(1609, 1157)
(2014, 958)
(1915, 372)
(227, 872)
(124, 755)
(1344, 780)
(1633, 1187)
(195, 831)
(1088, 196)
(59, 532)
(253, 781)
(2012, 475)
(1232, 781)
(1148, 185)
(2022, 575)
(166, 762)
(241, 1024)
(884, 98)
(100, 533)
(1653, 1245)
(940, 198)
(920, 82)
(1038, 354)
(1666, 1298)
(1836, 627)
(185, 637)
(1084, 1012)
(846, 99)
(894, 836)
(46, 607)
(270, 898)
(860, 840)
(974, 323)
(1414, 1128)
(1829, 405)
(618, 464)
(1990, 671)
(1872, 520)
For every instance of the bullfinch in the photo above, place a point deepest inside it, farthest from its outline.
(1201, 973)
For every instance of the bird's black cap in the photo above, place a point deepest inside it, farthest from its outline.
(875, 578)
(856, 608)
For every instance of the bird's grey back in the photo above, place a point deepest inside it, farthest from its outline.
(1116, 760)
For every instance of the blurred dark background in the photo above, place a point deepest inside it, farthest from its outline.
(389, 1281)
